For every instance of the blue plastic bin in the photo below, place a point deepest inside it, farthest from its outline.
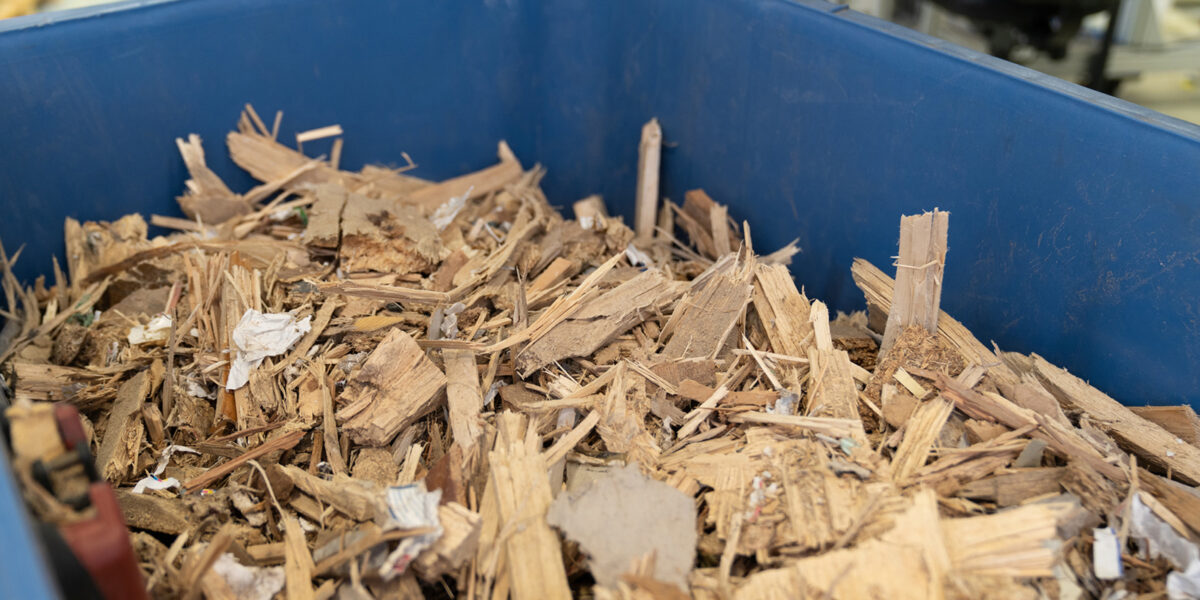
(1075, 229)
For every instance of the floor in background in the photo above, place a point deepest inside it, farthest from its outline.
(1174, 94)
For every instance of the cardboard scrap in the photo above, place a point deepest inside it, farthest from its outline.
(624, 516)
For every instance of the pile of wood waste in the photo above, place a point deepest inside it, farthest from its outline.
(363, 384)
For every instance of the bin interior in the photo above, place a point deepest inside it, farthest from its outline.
(1074, 228)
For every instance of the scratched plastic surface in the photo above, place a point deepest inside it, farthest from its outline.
(1074, 226)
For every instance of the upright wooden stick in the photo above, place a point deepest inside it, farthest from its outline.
(918, 275)
(649, 160)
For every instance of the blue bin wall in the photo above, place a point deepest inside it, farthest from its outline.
(1074, 227)
(1074, 230)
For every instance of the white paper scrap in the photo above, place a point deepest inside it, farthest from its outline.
(157, 330)
(259, 335)
(409, 507)
(1157, 538)
(1106, 554)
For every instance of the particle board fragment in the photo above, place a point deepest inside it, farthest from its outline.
(384, 236)
(396, 385)
(154, 513)
(325, 216)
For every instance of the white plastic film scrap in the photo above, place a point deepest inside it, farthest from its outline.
(444, 215)
(636, 257)
(157, 330)
(410, 507)
(1157, 538)
(259, 335)
(152, 481)
(249, 583)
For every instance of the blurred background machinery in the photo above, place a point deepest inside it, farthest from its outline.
(1148, 54)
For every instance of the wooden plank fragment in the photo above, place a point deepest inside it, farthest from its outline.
(1012, 488)
(920, 433)
(1153, 445)
(521, 488)
(47, 382)
(476, 184)
(836, 428)
(396, 385)
(918, 289)
(1062, 440)
(649, 159)
(358, 499)
(207, 197)
(115, 457)
(831, 392)
(463, 396)
(1179, 420)
(706, 315)
(1013, 543)
(298, 563)
(600, 320)
(784, 311)
(705, 221)
(283, 442)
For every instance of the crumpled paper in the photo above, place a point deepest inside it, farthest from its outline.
(1156, 538)
(157, 330)
(259, 335)
(409, 507)
(249, 583)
